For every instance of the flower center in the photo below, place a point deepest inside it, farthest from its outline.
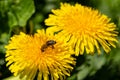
(49, 43)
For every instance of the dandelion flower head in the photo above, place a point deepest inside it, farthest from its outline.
(85, 28)
(30, 57)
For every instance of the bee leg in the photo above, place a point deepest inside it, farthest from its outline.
(53, 47)
(42, 50)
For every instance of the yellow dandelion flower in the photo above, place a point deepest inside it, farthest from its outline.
(85, 28)
(42, 56)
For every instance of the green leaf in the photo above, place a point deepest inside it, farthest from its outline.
(90, 66)
(73, 77)
(114, 56)
(3, 7)
(95, 62)
(83, 72)
(12, 20)
(110, 7)
(3, 40)
(20, 12)
(14, 78)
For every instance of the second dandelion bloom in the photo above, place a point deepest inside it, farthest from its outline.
(84, 28)
(44, 56)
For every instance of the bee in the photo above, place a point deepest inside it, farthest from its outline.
(47, 44)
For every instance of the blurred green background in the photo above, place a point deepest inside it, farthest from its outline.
(29, 15)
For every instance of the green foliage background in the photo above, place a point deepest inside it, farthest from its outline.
(29, 15)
